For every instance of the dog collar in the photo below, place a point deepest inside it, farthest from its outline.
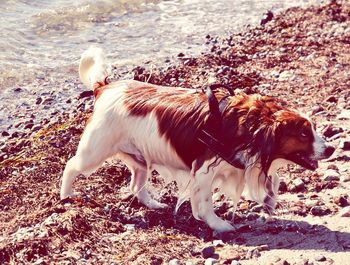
(210, 134)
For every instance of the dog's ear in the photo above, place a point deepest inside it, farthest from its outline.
(265, 145)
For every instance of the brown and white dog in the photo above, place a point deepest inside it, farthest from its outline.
(153, 127)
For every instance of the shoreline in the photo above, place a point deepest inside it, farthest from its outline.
(302, 57)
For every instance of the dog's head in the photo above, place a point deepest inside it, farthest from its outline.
(267, 130)
(296, 140)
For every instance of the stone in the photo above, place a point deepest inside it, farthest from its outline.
(344, 201)
(345, 145)
(208, 251)
(268, 16)
(331, 175)
(345, 212)
(174, 262)
(5, 133)
(38, 100)
(331, 130)
(235, 262)
(320, 211)
(332, 99)
(285, 75)
(344, 115)
(320, 258)
(210, 261)
(298, 184)
(218, 243)
(257, 208)
(85, 94)
(317, 109)
(252, 216)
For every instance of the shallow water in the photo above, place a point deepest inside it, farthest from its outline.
(42, 40)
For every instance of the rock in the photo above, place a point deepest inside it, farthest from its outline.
(37, 128)
(38, 100)
(297, 185)
(5, 133)
(174, 262)
(17, 89)
(345, 145)
(218, 243)
(332, 99)
(333, 166)
(320, 211)
(235, 262)
(320, 258)
(253, 253)
(257, 208)
(208, 251)
(85, 94)
(29, 126)
(344, 115)
(263, 247)
(252, 216)
(345, 178)
(345, 212)
(317, 109)
(331, 175)
(331, 130)
(210, 261)
(342, 201)
(282, 262)
(285, 75)
(268, 16)
(181, 54)
(283, 186)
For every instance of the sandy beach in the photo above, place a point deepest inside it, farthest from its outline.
(301, 55)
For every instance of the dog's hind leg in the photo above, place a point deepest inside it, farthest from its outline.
(139, 178)
(94, 148)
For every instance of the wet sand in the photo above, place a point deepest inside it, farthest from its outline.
(302, 56)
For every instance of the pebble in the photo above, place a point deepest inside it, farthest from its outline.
(253, 253)
(320, 211)
(285, 75)
(320, 258)
(252, 216)
(235, 262)
(331, 130)
(331, 175)
(5, 133)
(218, 243)
(38, 100)
(332, 99)
(257, 208)
(268, 16)
(345, 145)
(298, 184)
(210, 261)
(208, 251)
(316, 109)
(344, 115)
(85, 94)
(174, 262)
(345, 212)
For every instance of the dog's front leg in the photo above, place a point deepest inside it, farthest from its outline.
(201, 200)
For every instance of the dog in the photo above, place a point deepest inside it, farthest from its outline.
(172, 130)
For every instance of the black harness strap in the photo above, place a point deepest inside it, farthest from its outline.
(211, 133)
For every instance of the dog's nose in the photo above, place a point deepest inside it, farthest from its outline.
(329, 151)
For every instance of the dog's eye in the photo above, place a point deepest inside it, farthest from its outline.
(304, 134)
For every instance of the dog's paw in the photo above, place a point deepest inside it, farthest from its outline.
(220, 226)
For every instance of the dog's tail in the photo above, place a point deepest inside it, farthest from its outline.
(93, 68)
